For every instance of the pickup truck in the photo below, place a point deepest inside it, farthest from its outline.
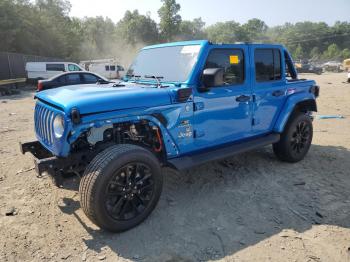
(180, 105)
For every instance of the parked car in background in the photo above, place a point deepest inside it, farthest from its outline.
(333, 66)
(307, 67)
(44, 70)
(70, 78)
(108, 68)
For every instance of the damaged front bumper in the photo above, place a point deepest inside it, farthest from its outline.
(46, 162)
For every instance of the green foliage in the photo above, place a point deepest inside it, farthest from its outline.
(299, 52)
(226, 32)
(345, 53)
(170, 20)
(315, 53)
(44, 27)
(332, 52)
(136, 28)
(255, 30)
(192, 30)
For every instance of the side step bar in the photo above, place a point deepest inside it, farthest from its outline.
(189, 161)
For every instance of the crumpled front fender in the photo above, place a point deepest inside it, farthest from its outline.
(170, 146)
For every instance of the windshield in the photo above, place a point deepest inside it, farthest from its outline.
(170, 64)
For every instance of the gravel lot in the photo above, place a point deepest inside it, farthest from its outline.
(246, 208)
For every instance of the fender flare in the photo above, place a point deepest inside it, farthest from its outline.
(301, 101)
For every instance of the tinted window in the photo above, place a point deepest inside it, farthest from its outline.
(112, 68)
(231, 60)
(73, 79)
(277, 64)
(73, 68)
(54, 67)
(88, 78)
(267, 65)
(61, 79)
(107, 68)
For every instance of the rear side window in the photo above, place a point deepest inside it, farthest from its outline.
(73, 78)
(107, 68)
(231, 60)
(89, 78)
(61, 79)
(112, 68)
(267, 65)
(55, 67)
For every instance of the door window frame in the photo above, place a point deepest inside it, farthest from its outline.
(244, 65)
(253, 69)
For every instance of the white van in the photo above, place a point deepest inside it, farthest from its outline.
(44, 70)
(110, 71)
(108, 68)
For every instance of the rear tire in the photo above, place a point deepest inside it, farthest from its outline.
(296, 138)
(121, 187)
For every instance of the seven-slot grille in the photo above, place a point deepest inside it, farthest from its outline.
(43, 119)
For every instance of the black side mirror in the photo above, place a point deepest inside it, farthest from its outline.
(212, 77)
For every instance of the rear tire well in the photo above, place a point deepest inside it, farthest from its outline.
(306, 106)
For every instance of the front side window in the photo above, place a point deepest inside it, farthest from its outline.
(72, 67)
(172, 63)
(231, 61)
(55, 67)
(88, 78)
(267, 65)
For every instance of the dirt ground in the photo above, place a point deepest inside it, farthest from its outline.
(246, 208)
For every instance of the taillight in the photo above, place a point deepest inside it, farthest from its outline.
(40, 86)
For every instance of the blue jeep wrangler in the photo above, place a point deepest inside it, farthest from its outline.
(180, 105)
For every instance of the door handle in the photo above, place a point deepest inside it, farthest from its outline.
(242, 98)
(278, 93)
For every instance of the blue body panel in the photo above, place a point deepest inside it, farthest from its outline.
(206, 119)
(219, 118)
(299, 94)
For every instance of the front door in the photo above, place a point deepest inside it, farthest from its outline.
(223, 113)
(269, 88)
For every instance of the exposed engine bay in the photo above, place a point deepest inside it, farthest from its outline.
(141, 133)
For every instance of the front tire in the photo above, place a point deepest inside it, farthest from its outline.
(296, 138)
(121, 187)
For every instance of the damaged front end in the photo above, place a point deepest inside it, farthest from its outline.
(56, 167)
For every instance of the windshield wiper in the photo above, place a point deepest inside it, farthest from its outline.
(134, 76)
(159, 84)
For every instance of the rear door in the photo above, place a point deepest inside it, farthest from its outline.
(58, 81)
(223, 114)
(73, 79)
(269, 86)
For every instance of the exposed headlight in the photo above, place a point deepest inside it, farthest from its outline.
(58, 126)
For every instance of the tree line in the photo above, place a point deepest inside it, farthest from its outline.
(45, 28)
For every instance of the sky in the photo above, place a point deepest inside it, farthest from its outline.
(273, 12)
